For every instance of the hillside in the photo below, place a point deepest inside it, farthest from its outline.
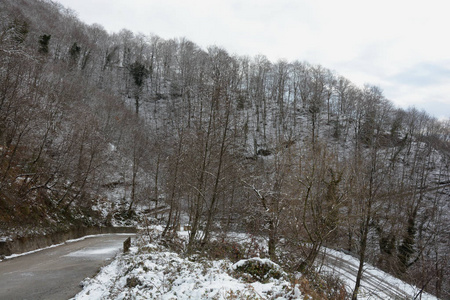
(104, 129)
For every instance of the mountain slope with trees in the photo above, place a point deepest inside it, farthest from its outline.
(286, 150)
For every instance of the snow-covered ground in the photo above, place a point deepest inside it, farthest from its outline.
(151, 271)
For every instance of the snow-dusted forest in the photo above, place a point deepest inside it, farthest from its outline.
(129, 129)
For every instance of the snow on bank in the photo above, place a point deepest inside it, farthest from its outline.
(153, 272)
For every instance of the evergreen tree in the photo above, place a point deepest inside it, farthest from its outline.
(44, 41)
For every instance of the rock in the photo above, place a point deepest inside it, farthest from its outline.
(258, 269)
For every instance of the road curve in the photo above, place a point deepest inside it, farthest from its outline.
(377, 286)
(55, 273)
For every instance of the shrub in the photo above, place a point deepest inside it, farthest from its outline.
(224, 249)
(322, 286)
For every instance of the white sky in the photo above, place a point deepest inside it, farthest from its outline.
(401, 46)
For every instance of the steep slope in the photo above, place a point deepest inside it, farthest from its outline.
(96, 127)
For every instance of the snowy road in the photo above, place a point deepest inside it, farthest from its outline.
(375, 284)
(55, 273)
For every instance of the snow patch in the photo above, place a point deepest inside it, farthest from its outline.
(92, 252)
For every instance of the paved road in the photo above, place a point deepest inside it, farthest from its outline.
(55, 273)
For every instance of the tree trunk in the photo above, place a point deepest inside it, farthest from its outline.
(218, 176)
(198, 204)
(272, 240)
(362, 257)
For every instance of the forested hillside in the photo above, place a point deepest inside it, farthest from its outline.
(96, 127)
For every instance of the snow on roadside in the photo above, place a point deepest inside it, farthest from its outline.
(153, 272)
(60, 244)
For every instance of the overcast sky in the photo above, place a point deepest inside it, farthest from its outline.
(401, 46)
